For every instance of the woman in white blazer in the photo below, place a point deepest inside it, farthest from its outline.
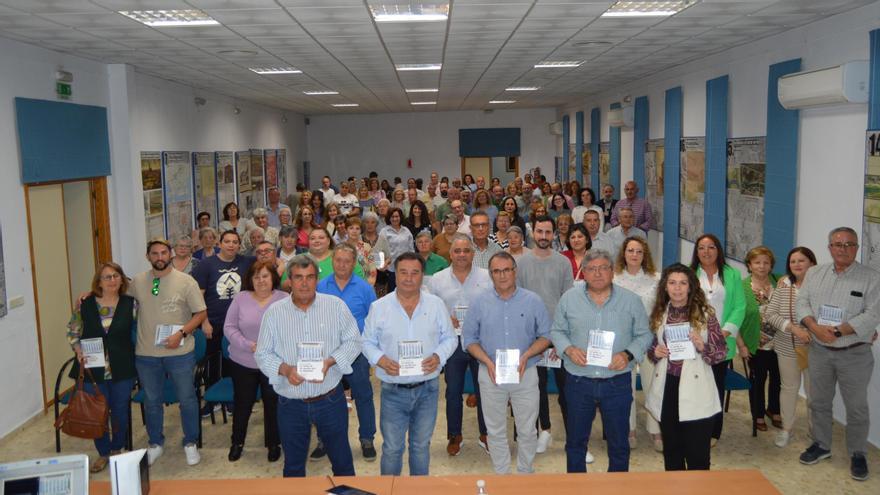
(683, 396)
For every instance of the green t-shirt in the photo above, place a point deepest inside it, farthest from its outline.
(325, 269)
(434, 264)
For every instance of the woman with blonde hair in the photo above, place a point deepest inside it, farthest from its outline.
(682, 396)
(634, 270)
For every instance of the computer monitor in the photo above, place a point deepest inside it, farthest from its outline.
(65, 475)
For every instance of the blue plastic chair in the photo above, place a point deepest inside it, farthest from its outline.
(736, 381)
(222, 392)
(169, 395)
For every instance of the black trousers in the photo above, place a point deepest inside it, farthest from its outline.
(764, 364)
(720, 372)
(245, 382)
(544, 402)
(685, 443)
(215, 363)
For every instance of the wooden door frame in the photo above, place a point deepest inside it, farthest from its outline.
(516, 167)
(100, 216)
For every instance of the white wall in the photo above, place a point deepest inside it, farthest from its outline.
(344, 145)
(831, 156)
(26, 71)
(145, 114)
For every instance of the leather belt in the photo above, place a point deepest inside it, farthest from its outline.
(408, 385)
(319, 397)
(857, 344)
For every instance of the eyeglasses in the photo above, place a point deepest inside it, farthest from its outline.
(479, 225)
(502, 271)
(844, 245)
(263, 251)
(112, 276)
(597, 269)
(155, 290)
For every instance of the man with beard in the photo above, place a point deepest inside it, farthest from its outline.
(171, 309)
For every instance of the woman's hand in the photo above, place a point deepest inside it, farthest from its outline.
(661, 351)
(699, 343)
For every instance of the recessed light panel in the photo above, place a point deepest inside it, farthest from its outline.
(170, 18)
(340, 105)
(410, 67)
(522, 88)
(321, 93)
(423, 103)
(418, 12)
(422, 90)
(501, 102)
(558, 64)
(624, 8)
(275, 70)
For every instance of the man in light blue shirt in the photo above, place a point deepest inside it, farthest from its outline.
(358, 295)
(316, 335)
(616, 317)
(458, 285)
(408, 336)
(505, 321)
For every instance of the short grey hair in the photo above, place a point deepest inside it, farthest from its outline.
(595, 254)
(515, 230)
(184, 238)
(255, 229)
(301, 261)
(838, 230)
(624, 208)
(282, 210)
(348, 248)
(259, 213)
(383, 201)
(503, 255)
(451, 217)
(207, 230)
(369, 215)
(461, 237)
(425, 233)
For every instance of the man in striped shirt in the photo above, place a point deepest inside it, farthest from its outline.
(307, 343)
(640, 207)
(839, 303)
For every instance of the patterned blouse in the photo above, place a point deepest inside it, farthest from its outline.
(75, 329)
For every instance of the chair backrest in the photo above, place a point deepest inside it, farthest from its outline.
(225, 347)
(201, 344)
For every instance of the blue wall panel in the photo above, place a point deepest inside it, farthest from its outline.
(594, 150)
(780, 191)
(715, 201)
(671, 176)
(61, 141)
(614, 153)
(501, 141)
(566, 139)
(640, 137)
(579, 147)
(874, 82)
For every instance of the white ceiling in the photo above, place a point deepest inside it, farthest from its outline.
(485, 46)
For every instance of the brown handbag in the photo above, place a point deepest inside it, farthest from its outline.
(86, 415)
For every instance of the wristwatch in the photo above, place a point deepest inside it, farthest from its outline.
(837, 332)
(629, 355)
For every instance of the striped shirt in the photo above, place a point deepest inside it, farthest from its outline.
(779, 313)
(855, 290)
(481, 257)
(327, 320)
(641, 209)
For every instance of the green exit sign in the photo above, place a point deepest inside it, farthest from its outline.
(63, 90)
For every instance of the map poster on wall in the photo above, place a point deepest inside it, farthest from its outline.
(271, 159)
(654, 162)
(258, 180)
(693, 187)
(243, 181)
(178, 177)
(871, 235)
(746, 162)
(206, 184)
(605, 166)
(151, 180)
(281, 159)
(588, 180)
(3, 308)
(572, 163)
(225, 181)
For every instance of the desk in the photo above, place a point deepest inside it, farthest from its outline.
(749, 482)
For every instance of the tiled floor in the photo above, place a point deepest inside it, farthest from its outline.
(737, 450)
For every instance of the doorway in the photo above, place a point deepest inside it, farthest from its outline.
(68, 227)
(505, 168)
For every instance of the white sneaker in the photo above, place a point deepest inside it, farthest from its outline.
(545, 439)
(782, 438)
(590, 459)
(192, 454)
(154, 452)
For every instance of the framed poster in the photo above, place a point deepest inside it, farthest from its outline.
(205, 178)
(258, 180)
(177, 175)
(281, 158)
(746, 161)
(270, 157)
(654, 162)
(693, 187)
(871, 228)
(154, 201)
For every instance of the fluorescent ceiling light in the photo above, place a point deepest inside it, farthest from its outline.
(423, 90)
(404, 67)
(423, 103)
(501, 102)
(320, 93)
(346, 105)
(624, 8)
(410, 13)
(558, 64)
(522, 88)
(170, 18)
(275, 70)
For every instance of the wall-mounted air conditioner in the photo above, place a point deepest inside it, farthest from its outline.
(846, 83)
(556, 128)
(621, 117)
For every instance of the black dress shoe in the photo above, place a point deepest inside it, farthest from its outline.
(235, 452)
(274, 453)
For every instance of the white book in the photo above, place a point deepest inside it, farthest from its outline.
(310, 360)
(409, 357)
(93, 352)
(506, 366)
(679, 343)
(549, 359)
(165, 331)
(829, 315)
(599, 350)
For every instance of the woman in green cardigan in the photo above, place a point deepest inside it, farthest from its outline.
(755, 340)
(722, 284)
(107, 319)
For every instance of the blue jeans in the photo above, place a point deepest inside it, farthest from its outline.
(179, 369)
(330, 417)
(118, 394)
(362, 393)
(412, 409)
(455, 369)
(613, 396)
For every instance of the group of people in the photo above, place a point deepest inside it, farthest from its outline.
(510, 282)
